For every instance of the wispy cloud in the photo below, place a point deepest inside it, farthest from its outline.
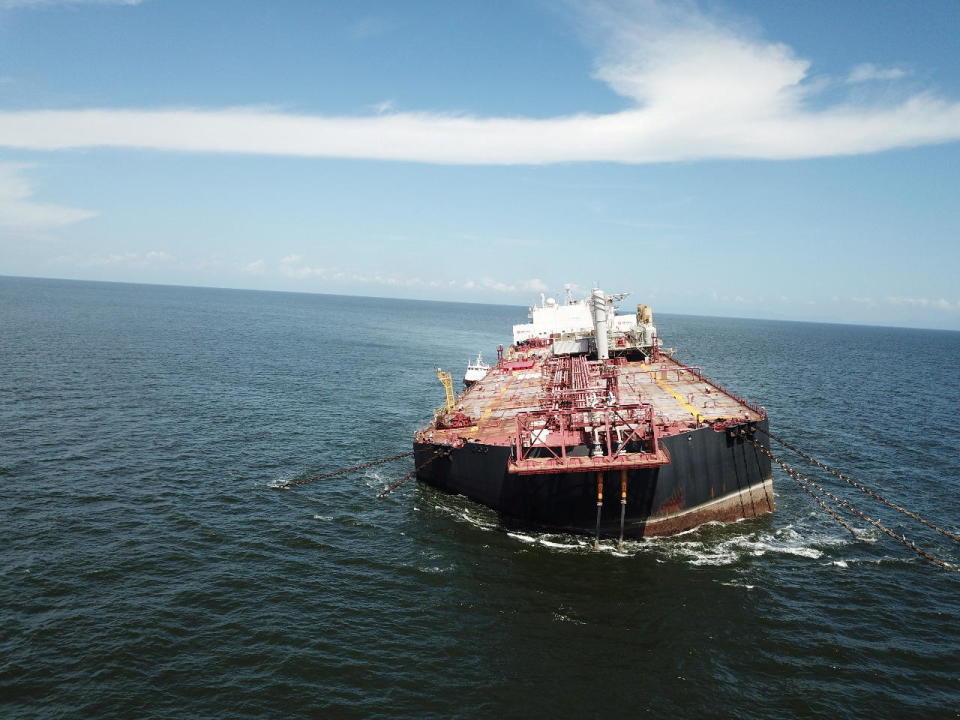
(257, 267)
(865, 72)
(923, 302)
(533, 285)
(294, 266)
(384, 106)
(696, 88)
(7, 4)
(130, 260)
(19, 210)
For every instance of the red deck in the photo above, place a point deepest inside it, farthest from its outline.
(523, 403)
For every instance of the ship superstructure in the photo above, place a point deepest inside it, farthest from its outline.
(585, 404)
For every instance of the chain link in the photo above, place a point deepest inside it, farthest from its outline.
(806, 488)
(393, 486)
(796, 474)
(355, 468)
(863, 488)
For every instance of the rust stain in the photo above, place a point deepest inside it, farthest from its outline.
(673, 504)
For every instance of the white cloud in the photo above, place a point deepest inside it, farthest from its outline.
(384, 106)
(865, 72)
(19, 210)
(923, 302)
(151, 258)
(158, 256)
(491, 284)
(534, 285)
(697, 88)
(257, 267)
(294, 266)
(7, 4)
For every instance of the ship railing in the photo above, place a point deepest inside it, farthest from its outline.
(554, 430)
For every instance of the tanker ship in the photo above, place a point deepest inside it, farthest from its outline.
(587, 424)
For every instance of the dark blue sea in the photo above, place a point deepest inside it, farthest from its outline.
(150, 569)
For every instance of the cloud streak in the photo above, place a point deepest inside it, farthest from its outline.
(866, 72)
(695, 89)
(18, 209)
(295, 267)
(8, 4)
(127, 260)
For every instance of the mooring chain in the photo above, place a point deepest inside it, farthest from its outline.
(801, 481)
(862, 488)
(393, 486)
(355, 468)
(804, 483)
(843, 503)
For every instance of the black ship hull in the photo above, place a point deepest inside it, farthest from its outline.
(712, 476)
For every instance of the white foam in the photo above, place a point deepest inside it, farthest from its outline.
(376, 480)
(559, 546)
(435, 570)
(560, 617)
(522, 538)
(711, 544)
(280, 483)
(736, 584)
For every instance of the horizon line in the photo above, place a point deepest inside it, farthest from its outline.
(457, 302)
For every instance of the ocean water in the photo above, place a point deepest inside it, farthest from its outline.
(150, 569)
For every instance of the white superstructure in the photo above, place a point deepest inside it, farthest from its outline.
(588, 325)
(476, 371)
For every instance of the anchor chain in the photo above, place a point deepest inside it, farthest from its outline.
(355, 468)
(863, 488)
(801, 481)
(843, 503)
(393, 486)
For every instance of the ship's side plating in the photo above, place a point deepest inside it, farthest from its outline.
(712, 476)
(585, 408)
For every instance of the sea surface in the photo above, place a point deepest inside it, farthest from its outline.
(151, 569)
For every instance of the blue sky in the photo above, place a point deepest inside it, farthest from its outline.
(756, 159)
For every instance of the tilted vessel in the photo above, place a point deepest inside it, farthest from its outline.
(587, 424)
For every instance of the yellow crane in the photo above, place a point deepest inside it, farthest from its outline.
(447, 381)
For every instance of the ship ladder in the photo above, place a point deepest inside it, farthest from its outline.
(446, 379)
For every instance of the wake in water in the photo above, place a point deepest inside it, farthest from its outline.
(711, 544)
(712, 551)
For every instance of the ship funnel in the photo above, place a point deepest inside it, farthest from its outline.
(599, 309)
